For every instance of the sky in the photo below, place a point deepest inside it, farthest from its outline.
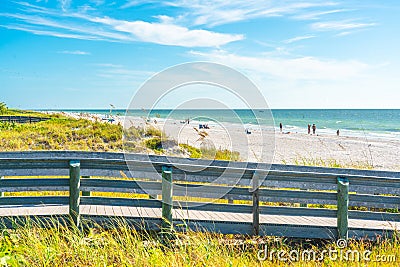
(70, 54)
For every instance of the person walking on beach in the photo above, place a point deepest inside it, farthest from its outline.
(314, 128)
(280, 127)
(337, 132)
(309, 129)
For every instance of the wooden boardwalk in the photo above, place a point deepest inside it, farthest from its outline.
(81, 173)
(223, 222)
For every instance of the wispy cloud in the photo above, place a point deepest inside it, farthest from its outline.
(33, 30)
(98, 2)
(292, 68)
(119, 72)
(84, 26)
(298, 38)
(65, 4)
(217, 12)
(340, 25)
(316, 15)
(110, 65)
(343, 34)
(75, 52)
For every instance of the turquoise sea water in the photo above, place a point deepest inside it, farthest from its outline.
(382, 123)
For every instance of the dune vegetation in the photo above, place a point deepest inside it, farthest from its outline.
(32, 245)
(66, 133)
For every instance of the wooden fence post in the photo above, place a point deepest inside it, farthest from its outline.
(1, 193)
(303, 205)
(74, 190)
(166, 224)
(256, 202)
(342, 207)
(86, 193)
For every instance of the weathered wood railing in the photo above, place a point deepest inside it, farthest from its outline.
(247, 183)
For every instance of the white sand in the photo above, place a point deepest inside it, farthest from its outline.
(293, 148)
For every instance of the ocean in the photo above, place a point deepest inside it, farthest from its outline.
(365, 123)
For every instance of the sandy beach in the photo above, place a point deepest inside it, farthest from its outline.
(283, 148)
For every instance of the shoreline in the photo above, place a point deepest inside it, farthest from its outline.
(366, 126)
(293, 148)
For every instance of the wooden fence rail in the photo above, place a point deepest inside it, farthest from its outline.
(22, 119)
(338, 203)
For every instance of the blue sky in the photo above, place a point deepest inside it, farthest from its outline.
(301, 54)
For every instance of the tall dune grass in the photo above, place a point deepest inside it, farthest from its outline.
(31, 245)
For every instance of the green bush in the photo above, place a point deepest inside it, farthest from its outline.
(193, 151)
(3, 108)
(154, 143)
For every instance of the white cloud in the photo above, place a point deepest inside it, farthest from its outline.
(298, 38)
(343, 33)
(217, 12)
(71, 29)
(317, 15)
(78, 25)
(98, 2)
(50, 33)
(170, 34)
(109, 65)
(295, 68)
(121, 73)
(340, 25)
(165, 19)
(76, 52)
(85, 8)
(310, 82)
(65, 4)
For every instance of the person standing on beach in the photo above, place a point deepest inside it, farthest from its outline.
(280, 127)
(314, 128)
(337, 132)
(309, 129)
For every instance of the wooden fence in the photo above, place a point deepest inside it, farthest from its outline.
(22, 119)
(286, 192)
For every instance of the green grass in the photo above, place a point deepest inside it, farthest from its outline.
(64, 133)
(30, 245)
(218, 154)
(330, 163)
(194, 152)
(60, 134)
(4, 111)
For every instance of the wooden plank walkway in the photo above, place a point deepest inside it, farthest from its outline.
(377, 192)
(204, 219)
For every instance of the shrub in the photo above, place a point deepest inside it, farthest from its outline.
(193, 151)
(154, 143)
(3, 108)
(153, 131)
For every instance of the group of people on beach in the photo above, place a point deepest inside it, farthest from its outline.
(310, 127)
(314, 128)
